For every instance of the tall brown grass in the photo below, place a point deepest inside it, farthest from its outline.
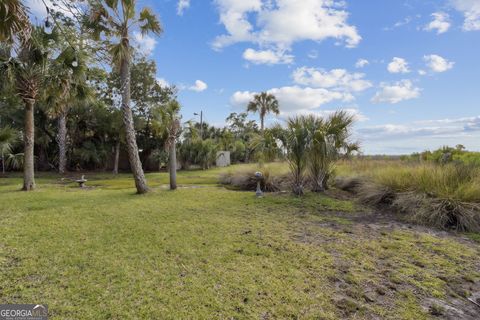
(444, 196)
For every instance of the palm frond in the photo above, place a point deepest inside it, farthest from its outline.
(149, 22)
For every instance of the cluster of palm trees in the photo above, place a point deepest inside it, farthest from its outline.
(111, 20)
(58, 69)
(311, 144)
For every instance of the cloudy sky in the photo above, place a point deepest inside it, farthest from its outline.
(408, 69)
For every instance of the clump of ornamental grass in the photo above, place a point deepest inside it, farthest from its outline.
(374, 194)
(421, 207)
(367, 191)
(245, 180)
(439, 213)
(349, 184)
(455, 181)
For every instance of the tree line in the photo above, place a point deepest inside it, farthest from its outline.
(77, 93)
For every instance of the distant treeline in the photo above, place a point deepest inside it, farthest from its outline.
(446, 154)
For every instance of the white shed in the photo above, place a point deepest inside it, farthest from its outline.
(223, 159)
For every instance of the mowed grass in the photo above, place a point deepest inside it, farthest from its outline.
(204, 252)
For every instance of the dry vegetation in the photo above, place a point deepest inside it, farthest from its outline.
(444, 196)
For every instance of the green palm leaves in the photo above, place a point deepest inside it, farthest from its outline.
(313, 145)
(14, 21)
(115, 18)
(263, 104)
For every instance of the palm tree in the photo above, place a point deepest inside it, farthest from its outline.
(266, 146)
(115, 19)
(167, 123)
(328, 138)
(297, 140)
(67, 87)
(26, 71)
(14, 22)
(8, 136)
(264, 103)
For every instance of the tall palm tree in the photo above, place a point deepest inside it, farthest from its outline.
(67, 87)
(167, 124)
(26, 71)
(115, 18)
(264, 103)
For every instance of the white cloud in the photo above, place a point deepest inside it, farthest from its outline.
(398, 65)
(163, 82)
(295, 99)
(361, 63)
(396, 92)
(352, 111)
(439, 128)
(278, 24)
(199, 86)
(421, 135)
(471, 11)
(336, 79)
(422, 72)
(182, 6)
(38, 10)
(440, 23)
(144, 43)
(392, 130)
(267, 57)
(437, 63)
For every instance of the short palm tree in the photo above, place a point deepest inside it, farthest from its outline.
(115, 19)
(297, 140)
(328, 138)
(8, 136)
(263, 104)
(266, 146)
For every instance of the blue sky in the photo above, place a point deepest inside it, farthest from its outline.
(408, 69)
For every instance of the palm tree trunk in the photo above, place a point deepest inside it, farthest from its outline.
(3, 163)
(133, 156)
(117, 158)
(62, 143)
(173, 166)
(262, 122)
(29, 137)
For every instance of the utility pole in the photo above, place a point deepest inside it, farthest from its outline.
(201, 123)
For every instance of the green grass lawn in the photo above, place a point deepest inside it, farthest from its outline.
(204, 252)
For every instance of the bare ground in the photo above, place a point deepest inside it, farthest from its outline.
(360, 297)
